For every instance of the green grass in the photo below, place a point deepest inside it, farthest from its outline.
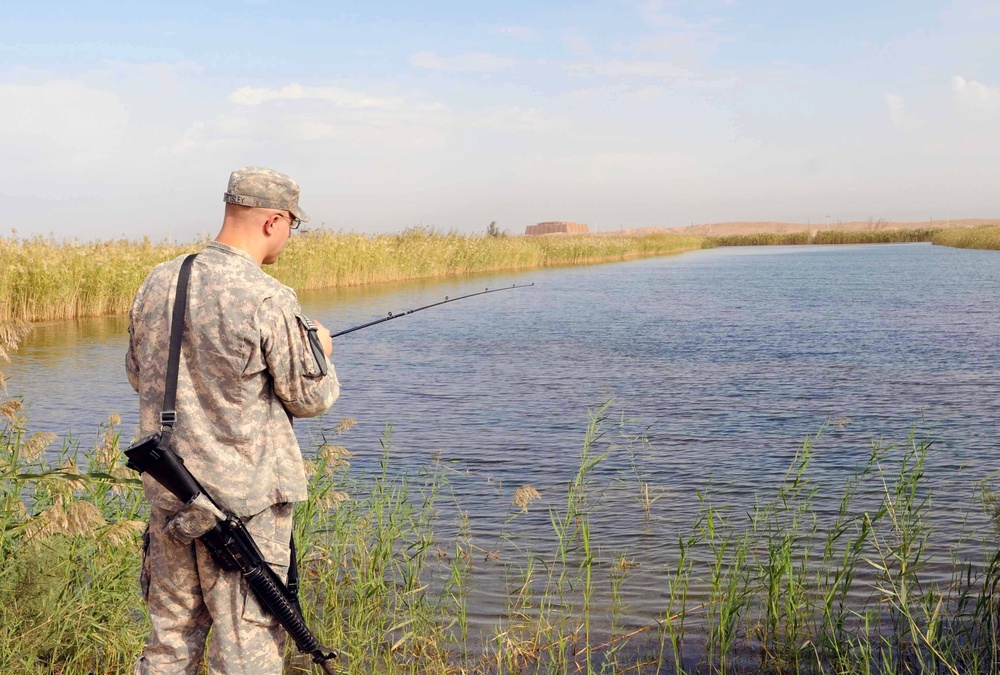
(42, 279)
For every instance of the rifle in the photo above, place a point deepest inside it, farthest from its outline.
(229, 543)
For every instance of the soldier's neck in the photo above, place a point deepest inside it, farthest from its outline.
(242, 240)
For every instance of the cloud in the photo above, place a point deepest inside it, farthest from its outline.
(472, 62)
(897, 110)
(976, 94)
(577, 44)
(333, 115)
(296, 92)
(654, 13)
(155, 68)
(512, 118)
(618, 68)
(692, 41)
(522, 33)
(64, 120)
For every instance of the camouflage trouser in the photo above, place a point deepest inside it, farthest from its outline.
(187, 593)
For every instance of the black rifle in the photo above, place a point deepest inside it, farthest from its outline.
(392, 316)
(230, 545)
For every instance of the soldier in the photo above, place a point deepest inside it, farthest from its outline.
(248, 366)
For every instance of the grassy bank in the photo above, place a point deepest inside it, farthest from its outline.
(823, 237)
(388, 577)
(979, 237)
(775, 590)
(41, 279)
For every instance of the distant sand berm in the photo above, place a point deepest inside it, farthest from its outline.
(728, 228)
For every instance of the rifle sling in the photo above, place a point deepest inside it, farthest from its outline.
(169, 413)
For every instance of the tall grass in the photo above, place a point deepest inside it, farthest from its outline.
(987, 237)
(823, 237)
(874, 236)
(760, 239)
(69, 549)
(41, 279)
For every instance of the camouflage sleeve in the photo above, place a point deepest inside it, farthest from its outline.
(131, 359)
(296, 370)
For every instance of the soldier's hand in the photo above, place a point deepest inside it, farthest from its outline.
(323, 333)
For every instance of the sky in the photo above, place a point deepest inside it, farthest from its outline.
(124, 119)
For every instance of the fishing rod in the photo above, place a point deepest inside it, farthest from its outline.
(392, 316)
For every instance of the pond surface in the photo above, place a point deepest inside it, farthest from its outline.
(727, 358)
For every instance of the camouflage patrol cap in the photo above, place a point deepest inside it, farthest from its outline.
(265, 188)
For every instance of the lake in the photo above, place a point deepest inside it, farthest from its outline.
(725, 360)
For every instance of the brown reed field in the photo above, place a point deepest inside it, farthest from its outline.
(986, 237)
(786, 587)
(823, 237)
(42, 279)
(874, 236)
(760, 239)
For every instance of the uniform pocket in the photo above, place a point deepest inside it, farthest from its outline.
(194, 519)
(276, 555)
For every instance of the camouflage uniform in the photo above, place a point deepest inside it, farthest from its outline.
(246, 370)
(187, 593)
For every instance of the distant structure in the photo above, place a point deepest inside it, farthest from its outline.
(556, 227)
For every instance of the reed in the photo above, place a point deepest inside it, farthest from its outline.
(42, 279)
(986, 237)
(760, 239)
(823, 237)
(874, 236)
